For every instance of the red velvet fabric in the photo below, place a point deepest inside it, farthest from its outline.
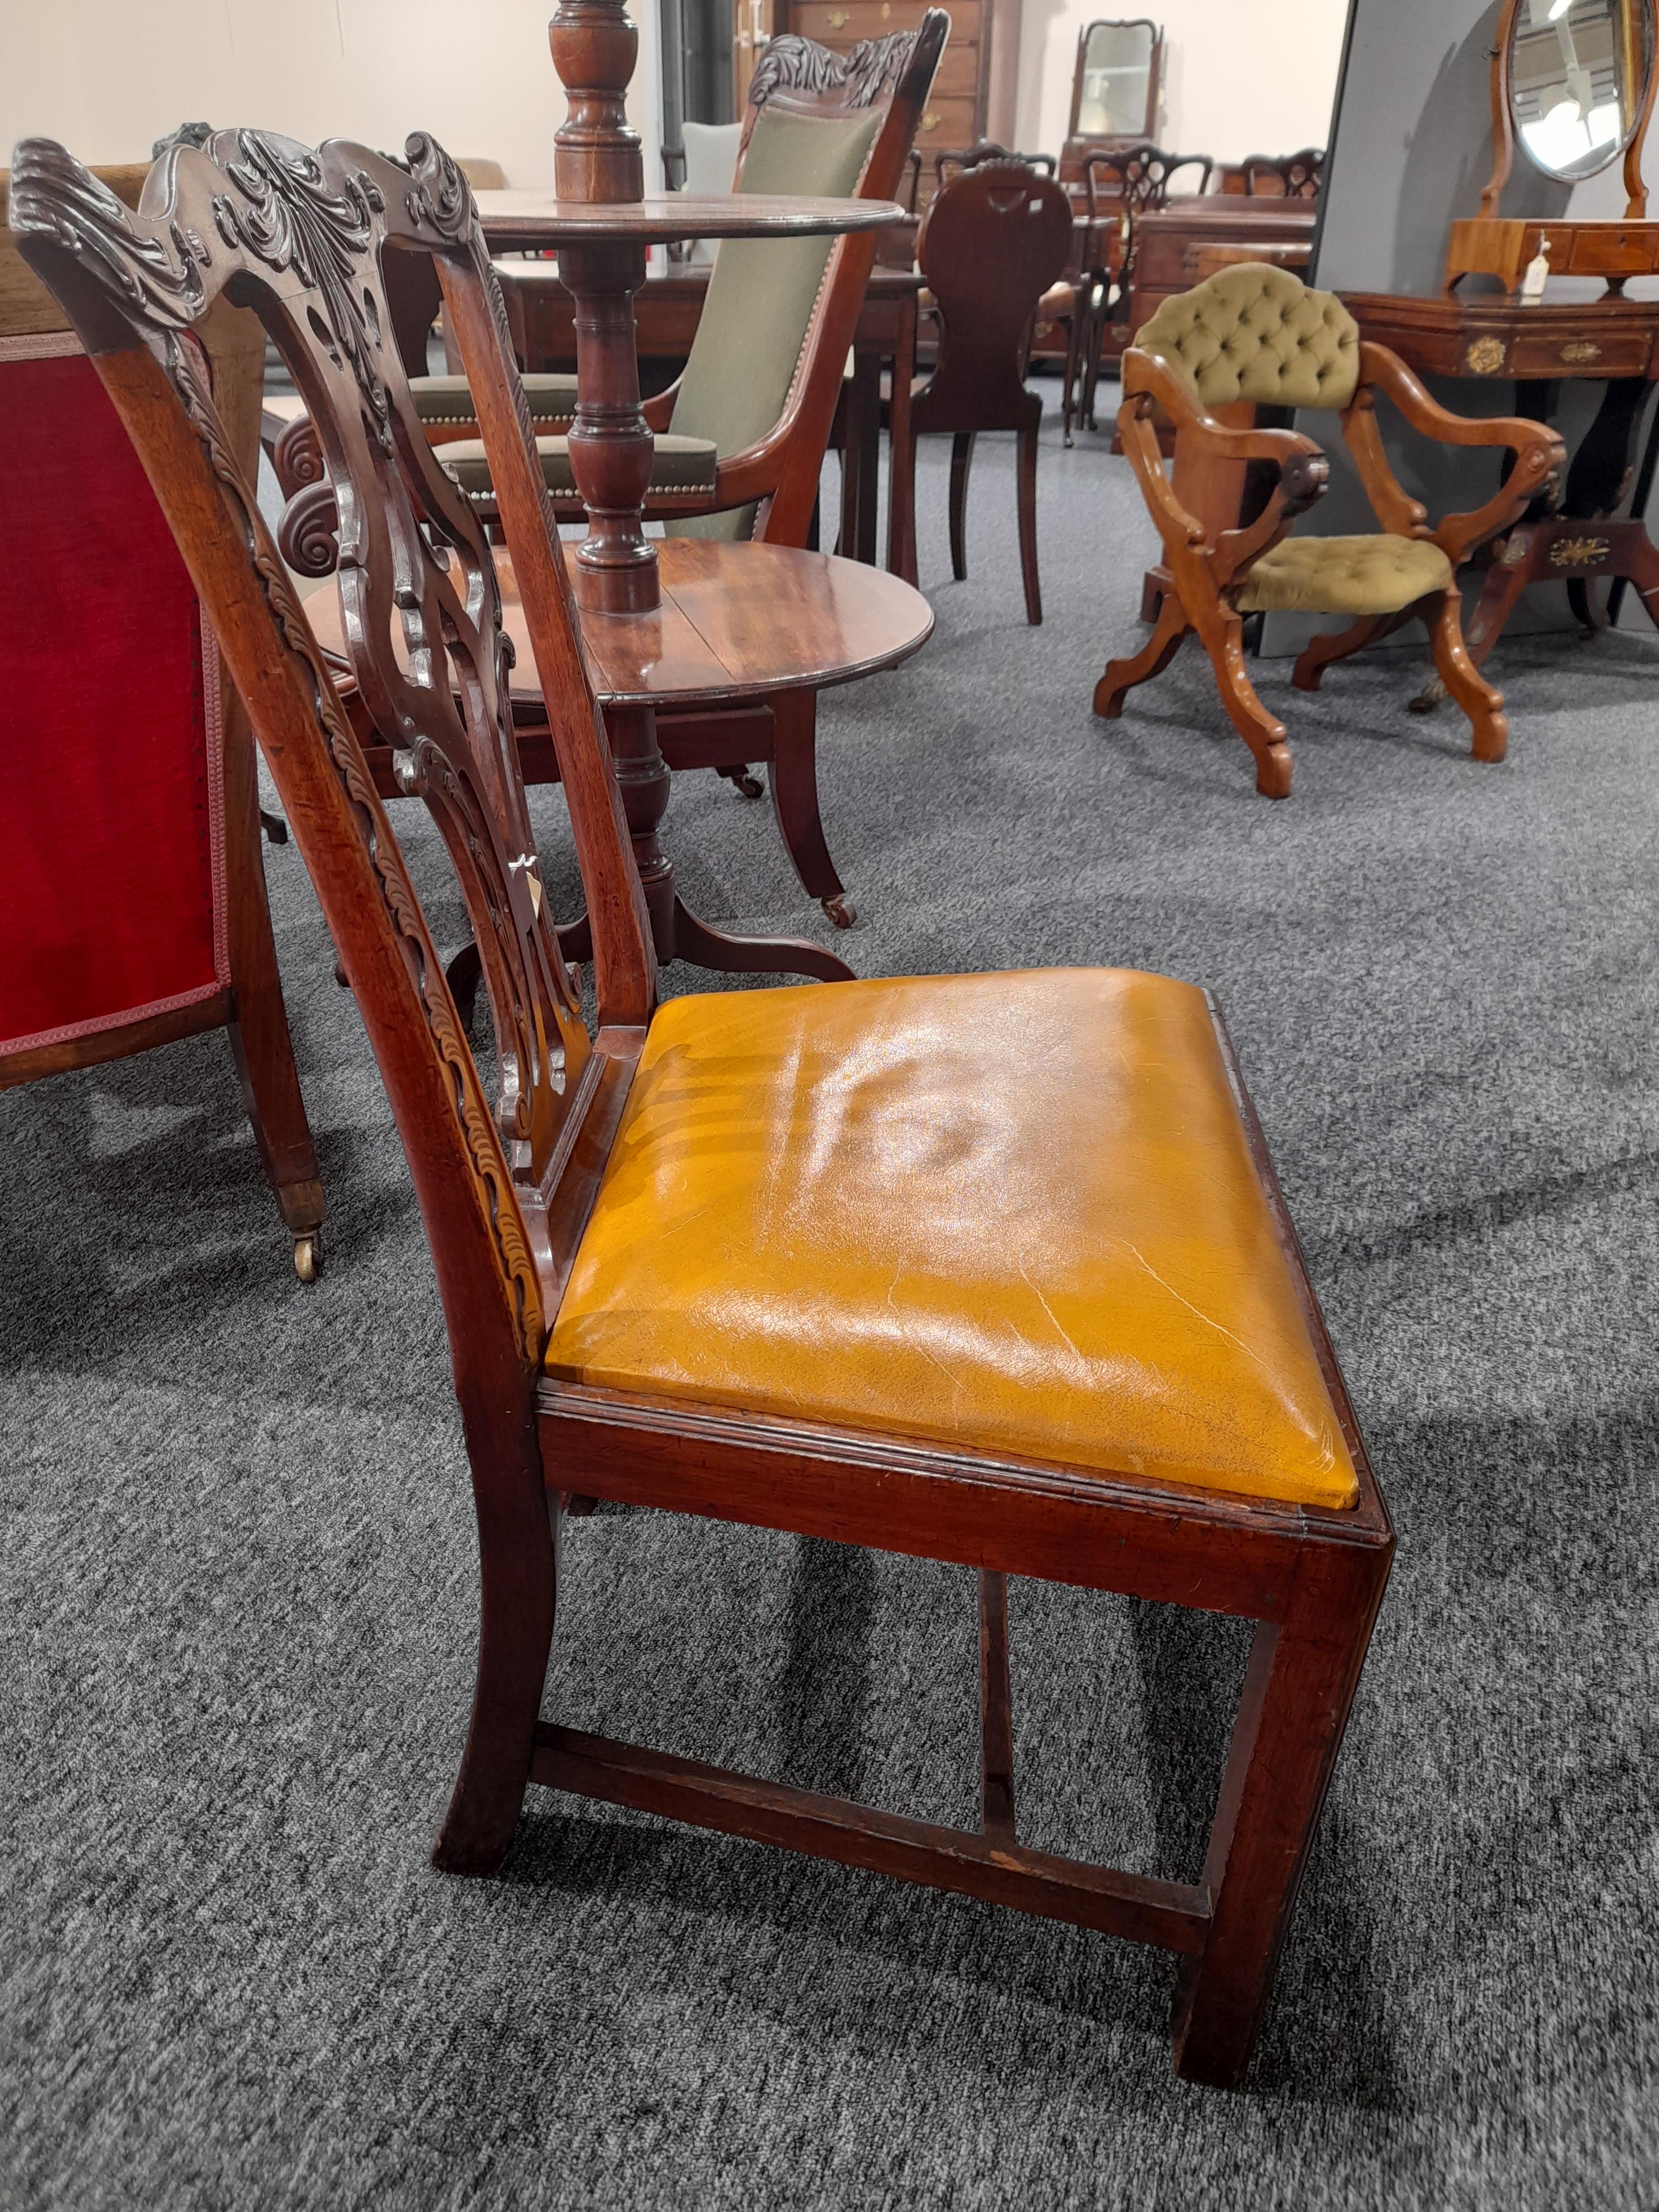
(110, 838)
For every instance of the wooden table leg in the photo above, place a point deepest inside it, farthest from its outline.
(676, 933)
(861, 459)
(901, 451)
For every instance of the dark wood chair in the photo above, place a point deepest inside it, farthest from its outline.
(987, 1269)
(1256, 336)
(135, 889)
(1129, 181)
(995, 239)
(1279, 176)
(1061, 321)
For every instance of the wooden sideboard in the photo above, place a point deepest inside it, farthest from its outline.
(973, 96)
(1179, 245)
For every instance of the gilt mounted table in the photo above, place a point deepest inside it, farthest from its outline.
(1538, 347)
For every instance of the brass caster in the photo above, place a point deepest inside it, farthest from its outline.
(840, 910)
(308, 1256)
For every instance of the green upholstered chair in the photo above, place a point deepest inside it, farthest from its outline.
(749, 417)
(1251, 336)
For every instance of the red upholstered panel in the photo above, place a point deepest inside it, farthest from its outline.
(110, 853)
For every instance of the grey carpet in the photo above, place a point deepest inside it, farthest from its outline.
(238, 1612)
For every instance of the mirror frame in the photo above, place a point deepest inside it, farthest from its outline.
(1154, 76)
(1502, 117)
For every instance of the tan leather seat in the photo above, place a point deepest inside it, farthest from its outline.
(1015, 1214)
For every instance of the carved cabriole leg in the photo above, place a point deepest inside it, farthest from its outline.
(1121, 676)
(1481, 702)
(1028, 537)
(795, 802)
(1303, 1674)
(962, 460)
(517, 1558)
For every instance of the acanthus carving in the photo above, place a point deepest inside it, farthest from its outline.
(287, 218)
(861, 75)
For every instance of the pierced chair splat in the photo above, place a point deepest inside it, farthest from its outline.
(1142, 1397)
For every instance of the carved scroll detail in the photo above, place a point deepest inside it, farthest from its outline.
(289, 219)
(861, 75)
(157, 277)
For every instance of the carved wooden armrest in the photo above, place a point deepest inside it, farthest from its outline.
(1303, 469)
(1540, 456)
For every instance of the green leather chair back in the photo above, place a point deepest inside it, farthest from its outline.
(761, 294)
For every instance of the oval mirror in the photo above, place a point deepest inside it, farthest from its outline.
(1578, 76)
(1115, 72)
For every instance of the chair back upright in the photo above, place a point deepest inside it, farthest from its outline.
(302, 238)
(996, 237)
(113, 833)
(765, 367)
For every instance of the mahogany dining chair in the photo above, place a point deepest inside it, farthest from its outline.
(987, 1269)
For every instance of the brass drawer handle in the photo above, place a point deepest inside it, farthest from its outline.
(1581, 349)
(838, 18)
(930, 123)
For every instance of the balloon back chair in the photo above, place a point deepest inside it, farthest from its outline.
(995, 237)
(813, 1260)
(1255, 336)
(135, 892)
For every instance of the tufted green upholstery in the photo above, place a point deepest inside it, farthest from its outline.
(762, 293)
(678, 464)
(552, 399)
(1375, 575)
(1259, 333)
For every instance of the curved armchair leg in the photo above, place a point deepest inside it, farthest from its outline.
(1481, 702)
(795, 802)
(962, 460)
(1074, 362)
(1028, 540)
(517, 1549)
(1319, 653)
(1121, 676)
(1261, 732)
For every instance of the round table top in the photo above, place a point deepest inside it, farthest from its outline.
(737, 623)
(530, 218)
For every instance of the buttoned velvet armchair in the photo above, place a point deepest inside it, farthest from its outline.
(987, 1269)
(131, 881)
(1255, 336)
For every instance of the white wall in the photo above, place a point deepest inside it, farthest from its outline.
(109, 77)
(1240, 76)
